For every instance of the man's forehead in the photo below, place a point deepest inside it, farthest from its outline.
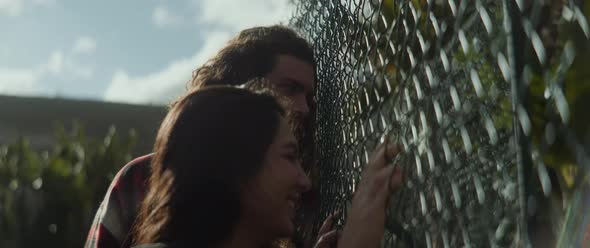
(295, 69)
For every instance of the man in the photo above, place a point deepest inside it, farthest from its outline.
(275, 53)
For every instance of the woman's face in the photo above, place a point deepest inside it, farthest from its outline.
(271, 197)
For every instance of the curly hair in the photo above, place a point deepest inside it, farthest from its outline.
(253, 53)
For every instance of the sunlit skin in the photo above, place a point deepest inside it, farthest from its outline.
(270, 199)
(295, 79)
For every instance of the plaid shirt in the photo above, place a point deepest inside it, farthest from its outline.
(118, 210)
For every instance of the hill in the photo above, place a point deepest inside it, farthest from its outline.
(37, 118)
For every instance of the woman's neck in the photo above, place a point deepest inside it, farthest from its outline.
(244, 236)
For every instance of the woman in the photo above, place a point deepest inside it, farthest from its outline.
(226, 174)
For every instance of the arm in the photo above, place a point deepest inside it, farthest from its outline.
(116, 214)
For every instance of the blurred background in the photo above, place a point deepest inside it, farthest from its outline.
(83, 87)
(490, 94)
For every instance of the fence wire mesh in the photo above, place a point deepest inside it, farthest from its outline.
(487, 98)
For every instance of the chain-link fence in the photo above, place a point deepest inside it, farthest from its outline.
(487, 98)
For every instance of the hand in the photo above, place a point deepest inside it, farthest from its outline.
(366, 219)
(327, 236)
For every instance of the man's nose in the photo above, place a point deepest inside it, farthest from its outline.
(301, 106)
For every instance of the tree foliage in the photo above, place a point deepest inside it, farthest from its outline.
(48, 198)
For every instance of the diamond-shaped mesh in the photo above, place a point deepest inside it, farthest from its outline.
(475, 92)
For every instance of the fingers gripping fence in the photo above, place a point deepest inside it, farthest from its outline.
(477, 94)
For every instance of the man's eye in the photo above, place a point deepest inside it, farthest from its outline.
(291, 157)
(290, 88)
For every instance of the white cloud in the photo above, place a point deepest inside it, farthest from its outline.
(239, 14)
(79, 71)
(72, 69)
(163, 18)
(55, 63)
(44, 2)
(156, 86)
(28, 80)
(15, 7)
(11, 7)
(227, 16)
(18, 81)
(84, 45)
(62, 65)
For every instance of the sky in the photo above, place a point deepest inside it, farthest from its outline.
(132, 51)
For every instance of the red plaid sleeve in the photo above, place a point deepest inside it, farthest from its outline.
(116, 214)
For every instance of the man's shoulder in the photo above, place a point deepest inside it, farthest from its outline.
(135, 172)
(167, 245)
(139, 163)
(154, 245)
(117, 212)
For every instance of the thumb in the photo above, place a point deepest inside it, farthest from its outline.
(385, 176)
(396, 179)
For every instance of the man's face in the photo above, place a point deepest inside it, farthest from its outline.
(294, 79)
